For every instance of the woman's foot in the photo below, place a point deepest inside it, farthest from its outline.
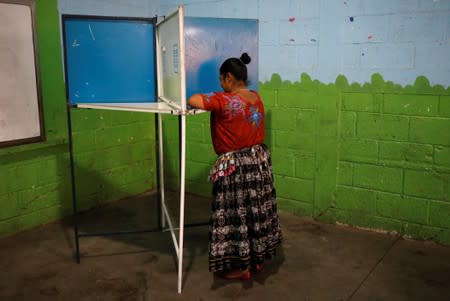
(236, 275)
(257, 268)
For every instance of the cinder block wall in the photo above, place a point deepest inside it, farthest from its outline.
(393, 169)
(361, 136)
(114, 151)
(399, 39)
(34, 178)
(373, 156)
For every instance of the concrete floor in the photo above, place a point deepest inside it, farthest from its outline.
(316, 262)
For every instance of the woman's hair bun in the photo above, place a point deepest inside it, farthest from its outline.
(245, 58)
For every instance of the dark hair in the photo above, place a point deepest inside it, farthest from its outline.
(236, 66)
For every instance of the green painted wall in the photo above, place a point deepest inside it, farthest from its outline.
(114, 151)
(375, 155)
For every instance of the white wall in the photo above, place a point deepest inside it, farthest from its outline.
(400, 39)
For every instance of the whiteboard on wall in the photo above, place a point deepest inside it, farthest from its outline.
(20, 101)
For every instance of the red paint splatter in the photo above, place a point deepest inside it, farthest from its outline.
(292, 19)
(369, 37)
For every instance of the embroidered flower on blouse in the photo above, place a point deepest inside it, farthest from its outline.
(234, 105)
(255, 116)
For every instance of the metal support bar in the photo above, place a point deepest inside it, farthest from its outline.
(73, 182)
(182, 196)
(161, 169)
(119, 232)
(171, 228)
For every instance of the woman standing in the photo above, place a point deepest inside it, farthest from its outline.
(245, 228)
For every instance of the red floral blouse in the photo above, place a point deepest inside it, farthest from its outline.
(235, 123)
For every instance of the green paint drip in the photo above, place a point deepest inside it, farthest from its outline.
(378, 84)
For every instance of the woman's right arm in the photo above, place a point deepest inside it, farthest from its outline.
(196, 101)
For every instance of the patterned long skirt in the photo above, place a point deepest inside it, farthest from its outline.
(245, 227)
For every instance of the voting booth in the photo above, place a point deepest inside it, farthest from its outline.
(138, 64)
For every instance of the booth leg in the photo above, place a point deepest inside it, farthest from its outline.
(74, 189)
(182, 198)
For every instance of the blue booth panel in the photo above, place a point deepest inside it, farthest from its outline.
(209, 42)
(109, 60)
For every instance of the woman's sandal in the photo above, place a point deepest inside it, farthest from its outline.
(257, 268)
